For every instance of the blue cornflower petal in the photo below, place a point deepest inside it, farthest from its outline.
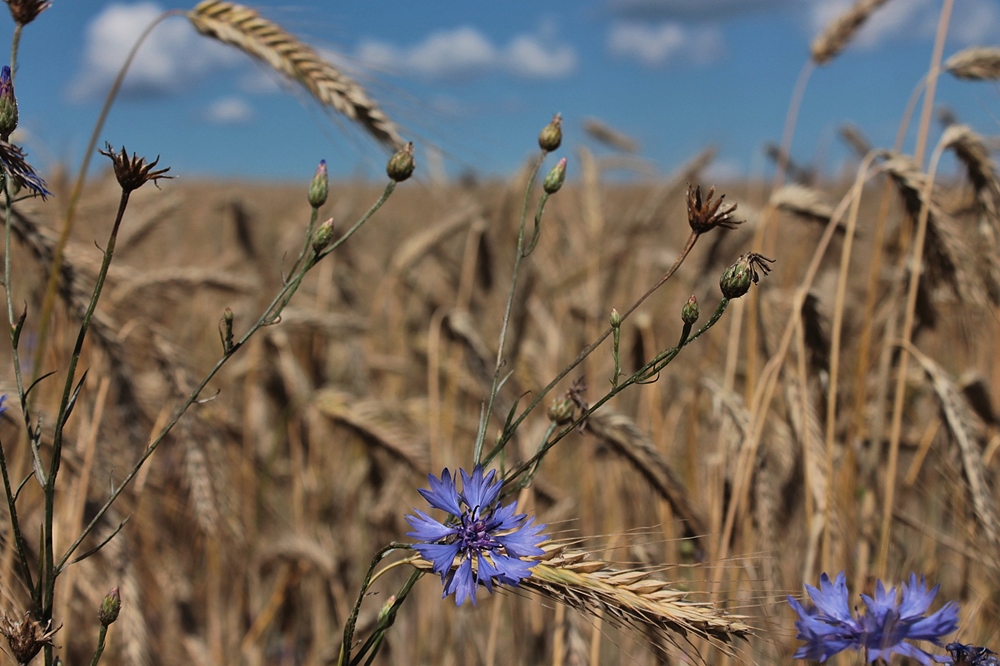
(935, 625)
(462, 583)
(524, 542)
(442, 494)
(479, 492)
(440, 555)
(426, 528)
(3, 407)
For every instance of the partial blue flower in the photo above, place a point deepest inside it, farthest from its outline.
(484, 544)
(829, 627)
(14, 166)
(971, 655)
(3, 407)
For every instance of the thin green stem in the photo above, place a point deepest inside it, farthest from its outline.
(15, 44)
(375, 640)
(352, 619)
(100, 645)
(495, 388)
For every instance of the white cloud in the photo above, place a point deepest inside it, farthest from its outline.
(654, 45)
(229, 111)
(973, 21)
(170, 57)
(466, 52)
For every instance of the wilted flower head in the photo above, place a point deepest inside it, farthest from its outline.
(971, 655)
(487, 539)
(27, 637)
(19, 171)
(703, 216)
(25, 11)
(829, 627)
(135, 172)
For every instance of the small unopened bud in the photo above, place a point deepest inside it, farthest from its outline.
(561, 411)
(690, 312)
(111, 605)
(227, 330)
(319, 188)
(401, 164)
(8, 104)
(550, 138)
(322, 236)
(556, 177)
(736, 280)
(616, 319)
(383, 612)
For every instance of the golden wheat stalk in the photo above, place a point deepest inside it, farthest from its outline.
(626, 597)
(246, 30)
(839, 32)
(975, 63)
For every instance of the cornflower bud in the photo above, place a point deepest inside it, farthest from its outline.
(111, 605)
(616, 319)
(691, 311)
(736, 280)
(401, 165)
(383, 612)
(561, 410)
(8, 104)
(550, 138)
(322, 236)
(319, 188)
(555, 179)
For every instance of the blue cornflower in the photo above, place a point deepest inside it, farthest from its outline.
(487, 539)
(829, 627)
(971, 655)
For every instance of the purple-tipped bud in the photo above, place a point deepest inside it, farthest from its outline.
(401, 165)
(8, 104)
(561, 411)
(690, 312)
(111, 605)
(322, 236)
(550, 137)
(616, 319)
(556, 177)
(383, 612)
(319, 188)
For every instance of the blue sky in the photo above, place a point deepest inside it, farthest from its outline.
(478, 80)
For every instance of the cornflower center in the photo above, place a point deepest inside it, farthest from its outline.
(474, 535)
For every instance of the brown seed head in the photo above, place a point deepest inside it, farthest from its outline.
(703, 216)
(24, 11)
(135, 172)
(25, 638)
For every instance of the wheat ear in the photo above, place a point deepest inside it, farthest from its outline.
(246, 30)
(839, 32)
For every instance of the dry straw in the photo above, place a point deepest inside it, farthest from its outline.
(975, 63)
(839, 32)
(245, 29)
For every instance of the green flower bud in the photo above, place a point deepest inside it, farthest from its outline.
(616, 319)
(111, 605)
(561, 411)
(550, 137)
(690, 312)
(401, 164)
(322, 236)
(8, 104)
(736, 280)
(555, 179)
(319, 188)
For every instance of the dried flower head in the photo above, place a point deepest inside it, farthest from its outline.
(25, 11)
(971, 655)
(703, 216)
(22, 175)
(737, 279)
(25, 638)
(135, 172)
(486, 538)
(829, 627)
